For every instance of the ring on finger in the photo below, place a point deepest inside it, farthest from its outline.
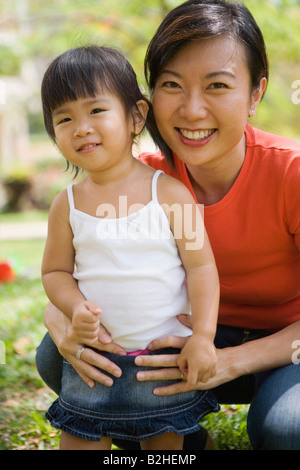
(181, 375)
(79, 352)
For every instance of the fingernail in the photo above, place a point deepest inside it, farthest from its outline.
(138, 361)
(108, 382)
(156, 392)
(140, 376)
(121, 353)
(105, 339)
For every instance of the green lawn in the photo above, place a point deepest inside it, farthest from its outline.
(23, 396)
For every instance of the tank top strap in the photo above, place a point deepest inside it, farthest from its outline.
(154, 185)
(71, 197)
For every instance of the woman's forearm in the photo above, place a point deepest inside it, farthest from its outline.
(265, 353)
(55, 322)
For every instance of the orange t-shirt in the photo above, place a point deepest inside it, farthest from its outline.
(255, 233)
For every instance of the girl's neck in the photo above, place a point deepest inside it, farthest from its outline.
(113, 175)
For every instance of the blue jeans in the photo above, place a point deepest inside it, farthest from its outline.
(274, 415)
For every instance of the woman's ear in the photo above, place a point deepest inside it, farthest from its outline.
(257, 95)
(140, 112)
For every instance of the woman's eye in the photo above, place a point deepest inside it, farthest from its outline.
(217, 85)
(170, 84)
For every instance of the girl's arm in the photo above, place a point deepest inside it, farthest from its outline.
(57, 273)
(58, 261)
(187, 225)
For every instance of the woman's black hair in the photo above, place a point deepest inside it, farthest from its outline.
(204, 19)
(84, 71)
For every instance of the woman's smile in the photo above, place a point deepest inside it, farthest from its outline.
(195, 138)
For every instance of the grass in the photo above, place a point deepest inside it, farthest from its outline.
(24, 398)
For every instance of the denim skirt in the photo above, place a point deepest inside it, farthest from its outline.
(128, 409)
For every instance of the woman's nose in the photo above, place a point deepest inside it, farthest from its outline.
(194, 107)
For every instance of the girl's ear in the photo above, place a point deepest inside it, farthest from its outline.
(140, 113)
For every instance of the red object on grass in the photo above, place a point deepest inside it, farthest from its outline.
(7, 273)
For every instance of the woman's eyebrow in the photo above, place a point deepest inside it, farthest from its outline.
(171, 72)
(209, 75)
(220, 72)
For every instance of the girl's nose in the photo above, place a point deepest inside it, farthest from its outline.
(194, 107)
(83, 129)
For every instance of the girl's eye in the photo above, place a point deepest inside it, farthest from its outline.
(97, 110)
(62, 121)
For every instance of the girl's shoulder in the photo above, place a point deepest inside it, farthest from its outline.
(171, 191)
(60, 205)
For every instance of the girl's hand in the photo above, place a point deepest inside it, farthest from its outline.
(86, 322)
(197, 360)
(67, 341)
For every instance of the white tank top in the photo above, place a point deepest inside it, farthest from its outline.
(130, 266)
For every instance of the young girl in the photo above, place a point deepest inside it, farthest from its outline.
(124, 227)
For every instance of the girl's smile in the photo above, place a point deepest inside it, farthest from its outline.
(86, 130)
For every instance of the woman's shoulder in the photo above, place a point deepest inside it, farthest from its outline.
(268, 141)
(157, 161)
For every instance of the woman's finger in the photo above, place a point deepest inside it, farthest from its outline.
(159, 374)
(161, 360)
(168, 342)
(186, 320)
(178, 387)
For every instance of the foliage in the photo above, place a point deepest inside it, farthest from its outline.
(45, 29)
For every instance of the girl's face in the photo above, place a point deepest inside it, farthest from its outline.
(202, 100)
(94, 133)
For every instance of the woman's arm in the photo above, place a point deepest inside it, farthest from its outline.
(67, 342)
(254, 356)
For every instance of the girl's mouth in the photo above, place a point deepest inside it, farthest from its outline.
(87, 147)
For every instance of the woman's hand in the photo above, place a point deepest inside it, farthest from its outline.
(169, 368)
(68, 343)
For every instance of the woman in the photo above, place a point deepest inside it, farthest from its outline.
(207, 71)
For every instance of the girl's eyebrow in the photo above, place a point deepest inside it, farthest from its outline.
(88, 102)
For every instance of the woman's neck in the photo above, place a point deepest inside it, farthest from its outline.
(211, 183)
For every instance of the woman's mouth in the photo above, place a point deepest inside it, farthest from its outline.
(195, 138)
(196, 135)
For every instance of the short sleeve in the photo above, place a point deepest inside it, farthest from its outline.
(292, 198)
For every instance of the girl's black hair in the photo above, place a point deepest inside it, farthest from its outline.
(204, 19)
(84, 71)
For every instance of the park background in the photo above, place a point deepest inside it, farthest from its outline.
(32, 33)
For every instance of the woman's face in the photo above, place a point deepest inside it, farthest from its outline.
(202, 100)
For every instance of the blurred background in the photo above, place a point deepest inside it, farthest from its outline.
(32, 33)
